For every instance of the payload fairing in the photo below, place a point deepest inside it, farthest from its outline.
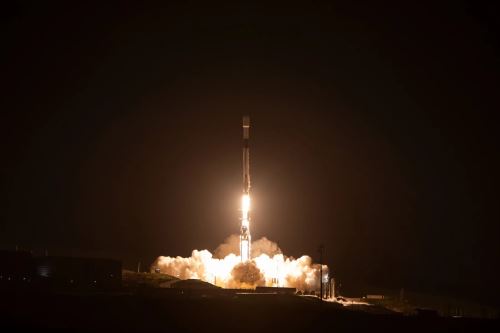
(245, 237)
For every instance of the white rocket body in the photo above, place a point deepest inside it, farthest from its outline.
(245, 237)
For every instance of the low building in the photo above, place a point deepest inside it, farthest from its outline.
(276, 290)
(375, 297)
(79, 273)
(16, 268)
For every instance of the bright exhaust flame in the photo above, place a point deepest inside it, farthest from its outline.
(245, 206)
(268, 267)
(245, 237)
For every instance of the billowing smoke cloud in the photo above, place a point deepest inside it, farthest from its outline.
(264, 246)
(268, 267)
(230, 246)
(247, 274)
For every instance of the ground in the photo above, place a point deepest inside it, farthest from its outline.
(193, 312)
(133, 279)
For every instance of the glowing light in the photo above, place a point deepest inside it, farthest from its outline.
(245, 237)
(244, 250)
(245, 204)
(274, 270)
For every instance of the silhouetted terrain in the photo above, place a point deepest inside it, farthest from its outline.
(122, 312)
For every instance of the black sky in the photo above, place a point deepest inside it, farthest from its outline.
(374, 132)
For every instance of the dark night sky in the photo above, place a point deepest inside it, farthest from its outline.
(373, 132)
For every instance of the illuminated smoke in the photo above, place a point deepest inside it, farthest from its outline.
(260, 246)
(268, 267)
(230, 245)
(264, 246)
(247, 274)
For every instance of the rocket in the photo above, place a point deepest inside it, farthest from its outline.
(246, 155)
(245, 237)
